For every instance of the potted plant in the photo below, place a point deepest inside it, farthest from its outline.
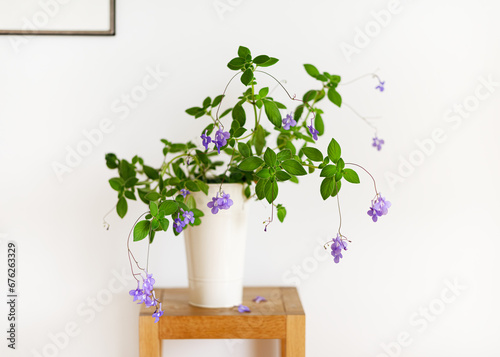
(201, 188)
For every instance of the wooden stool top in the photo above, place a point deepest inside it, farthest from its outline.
(266, 319)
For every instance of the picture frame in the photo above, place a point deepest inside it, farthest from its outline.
(58, 17)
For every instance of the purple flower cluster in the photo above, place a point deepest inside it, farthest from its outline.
(379, 207)
(337, 245)
(146, 295)
(179, 224)
(184, 192)
(218, 203)
(220, 139)
(377, 143)
(380, 86)
(288, 122)
(313, 131)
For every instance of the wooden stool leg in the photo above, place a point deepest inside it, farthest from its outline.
(295, 343)
(149, 340)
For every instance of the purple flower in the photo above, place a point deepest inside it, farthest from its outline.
(337, 245)
(259, 299)
(379, 207)
(151, 300)
(179, 225)
(220, 139)
(188, 216)
(313, 131)
(288, 121)
(157, 314)
(184, 192)
(205, 140)
(137, 292)
(218, 203)
(380, 86)
(243, 308)
(214, 205)
(378, 143)
(225, 202)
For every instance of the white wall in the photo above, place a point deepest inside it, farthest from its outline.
(443, 226)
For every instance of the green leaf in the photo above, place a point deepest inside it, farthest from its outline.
(154, 224)
(150, 172)
(293, 167)
(192, 186)
(193, 110)
(261, 59)
(111, 161)
(282, 176)
(197, 212)
(151, 236)
(243, 52)
(116, 183)
(328, 171)
(236, 63)
(126, 170)
(336, 188)
(131, 181)
(351, 176)
(272, 113)
(247, 76)
(270, 62)
(164, 224)
(207, 102)
(260, 139)
(264, 173)
(271, 191)
(203, 186)
(313, 154)
(260, 188)
(217, 100)
(238, 133)
(311, 70)
(263, 92)
(121, 207)
(152, 196)
(340, 164)
(284, 155)
(298, 112)
(141, 230)
(334, 151)
(270, 157)
(244, 149)
(153, 208)
(239, 114)
(130, 195)
(191, 202)
(250, 163)
(334, 97)
(169, 207)
(281, 213)
(319, 125)
(326, 188)
(310, 95)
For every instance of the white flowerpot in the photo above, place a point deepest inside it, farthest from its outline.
(216, 250)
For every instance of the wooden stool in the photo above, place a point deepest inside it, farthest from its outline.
(280, 317)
